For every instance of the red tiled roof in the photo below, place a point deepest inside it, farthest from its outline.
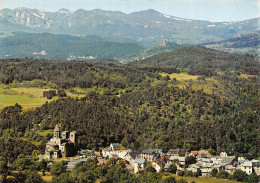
(195, 153)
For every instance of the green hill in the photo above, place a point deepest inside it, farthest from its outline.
(242, 43)
(50, 46)
(162, 47)
(201, 61)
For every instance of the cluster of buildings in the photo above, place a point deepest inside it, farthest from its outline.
(64, 144)
(205, 162)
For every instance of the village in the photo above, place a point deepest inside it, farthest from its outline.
(200, 162)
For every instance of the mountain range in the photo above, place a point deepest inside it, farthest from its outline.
(146, 27)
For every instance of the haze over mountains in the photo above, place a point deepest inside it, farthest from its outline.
(146, 26)
(108, 33)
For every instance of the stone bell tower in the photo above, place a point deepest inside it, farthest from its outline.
(56, 132)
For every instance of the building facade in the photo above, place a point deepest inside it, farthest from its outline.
(61, 145)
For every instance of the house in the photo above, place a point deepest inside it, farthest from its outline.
(227, 152)
(204, 171)
(227, 161)
(112, 151)
(230, 168)
(256, 166)
(61, 147)
(194, 168)
(220, 168)
(206, 168)
(115, 146)
(247, 167)
(148, 155)
(122, 154)
(245, 157)
(156, 166)
(179, 159)
(160, 163)
(139, 165)
(202, 155)
(176, 152)
(131, 156)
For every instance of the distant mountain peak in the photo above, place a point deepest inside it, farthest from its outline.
(63, 10)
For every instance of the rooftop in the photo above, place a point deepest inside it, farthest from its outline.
(140, 161)
(57, 128)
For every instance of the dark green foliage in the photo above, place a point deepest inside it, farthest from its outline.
(61, 47)
(239, 175)
(22, 163)
(201, 61)
(172, 168)
(3, 167)
(180, 173)
(62, 93)
(10, 148)
(58, 168)
(253, 178)
(188, 174)
(33, 177)
(49, 94)
(212, 151)
(222, 175)
(190, 160)
(182, 181)
(63, 178)
(214, 172)
(170, 179)
(71, 74)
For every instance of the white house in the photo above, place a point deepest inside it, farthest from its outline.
(227, 153)
(139, 165)
(256, 166)
(247, 167)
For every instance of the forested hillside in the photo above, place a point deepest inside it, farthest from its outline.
(137, 106)
(202, 61)
(63, 47)
(243, 43)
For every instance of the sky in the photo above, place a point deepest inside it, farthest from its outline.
(212, 10)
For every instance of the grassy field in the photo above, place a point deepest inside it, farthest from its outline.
(25, 101)
(201, 179)
(181, 76)
(27, 97)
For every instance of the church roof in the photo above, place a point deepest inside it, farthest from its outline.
(57, 128)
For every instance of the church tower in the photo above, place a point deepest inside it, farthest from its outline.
(56, 132)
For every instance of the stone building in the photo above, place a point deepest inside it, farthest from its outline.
(61, 145)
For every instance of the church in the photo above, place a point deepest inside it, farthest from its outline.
(61, 145)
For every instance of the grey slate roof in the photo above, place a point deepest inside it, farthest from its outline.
(256, 163)
(246, 156)
(202, 155)
(148, 152)
(140, 161)
(182, 159)
(230, 152)
(227, 161)
(134, 155)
